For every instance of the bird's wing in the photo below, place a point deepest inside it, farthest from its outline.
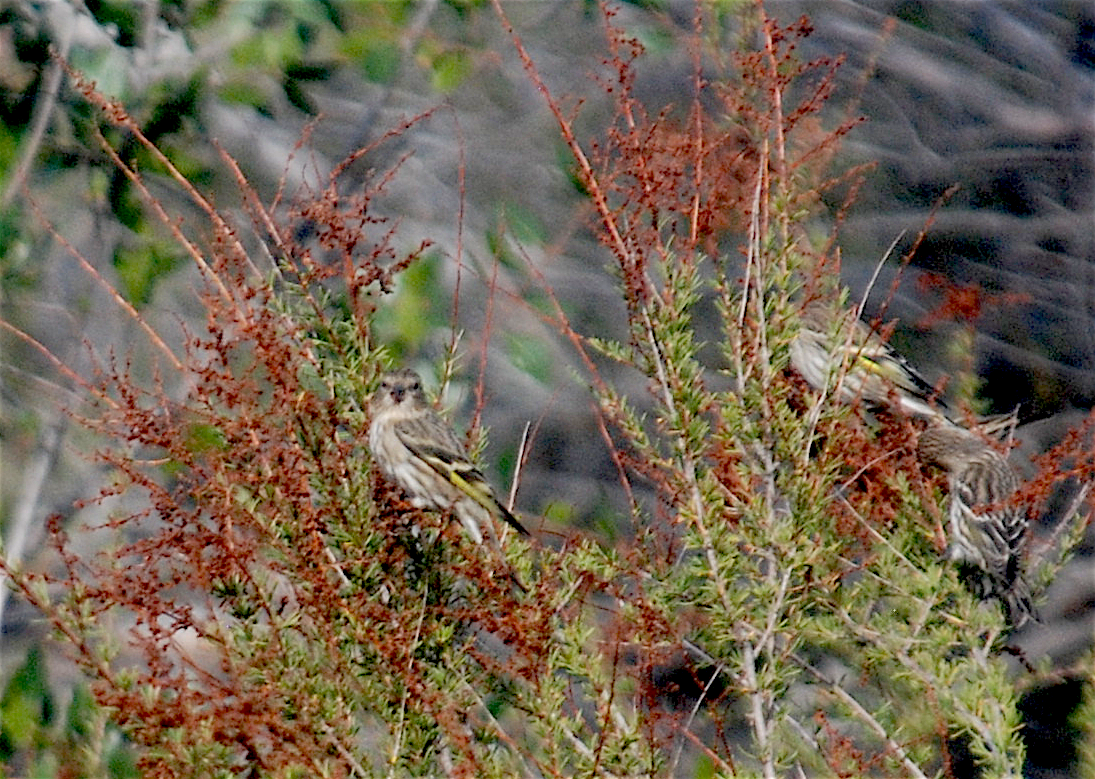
(879, 357)
(433, 442)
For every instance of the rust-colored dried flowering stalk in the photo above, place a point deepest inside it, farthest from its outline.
(270, 608)
(793, 543)
(268, 604)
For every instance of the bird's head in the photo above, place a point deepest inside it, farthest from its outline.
(401, 387)
(949, 447)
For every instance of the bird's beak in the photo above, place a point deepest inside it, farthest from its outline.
(398, 393)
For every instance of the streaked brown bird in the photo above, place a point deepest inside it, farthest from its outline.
(857, 365)
(418, 450)
(986, 529)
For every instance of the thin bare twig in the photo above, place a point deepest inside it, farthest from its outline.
(864, 716)
(44, 103)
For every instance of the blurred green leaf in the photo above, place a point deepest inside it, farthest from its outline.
(560, 512)
(120, 762)
(530, 355)
(21, 722)
(81, 712)
(380, 61)
(449, 70)
(26, 706)
(9, 149)
(524, 224)
(705, 768)
(140, 268)
(270, 50)
(465, 7)
(417, 309)
(203, 438)
(297, 97)
(122, 18)
(243, 91)
(296, 76)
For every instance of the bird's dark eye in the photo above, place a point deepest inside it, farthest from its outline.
(414, 386)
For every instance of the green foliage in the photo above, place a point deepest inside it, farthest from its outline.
(27, 706)
(449, 69)
(140, 268)
(378, 56)
(10, 138)
(1083, 720)
(520, 223)
(415, 312)
(35, 740)
(529, 355)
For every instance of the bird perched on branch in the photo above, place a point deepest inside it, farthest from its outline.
(985, 528)
(859, 366)
(419, 451)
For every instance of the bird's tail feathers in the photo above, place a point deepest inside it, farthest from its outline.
(1018, 605)
(509, 519)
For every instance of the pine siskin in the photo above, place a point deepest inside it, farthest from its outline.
(416, 449)
(986, 529)
(872, 370)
